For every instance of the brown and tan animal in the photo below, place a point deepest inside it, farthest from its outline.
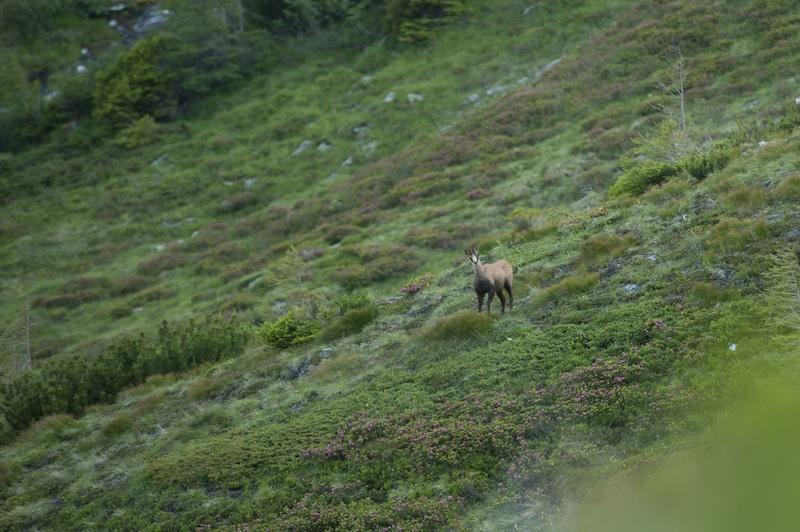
(491, 279)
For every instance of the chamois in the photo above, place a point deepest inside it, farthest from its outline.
(491, 279)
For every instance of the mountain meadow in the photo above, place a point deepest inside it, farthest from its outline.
(234, 294)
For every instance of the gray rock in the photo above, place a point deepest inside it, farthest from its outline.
(348, 162)
(327, 352)
(495, 89)
(323, 147)
(300, 369)
(279, 306)
(414, 97)
(52, 95)
(751, 105)
(255, 282)
(81, 69)
(630, 288)
(151, 19)
(366, 79)
(117, 8)
(305, 145)
(159, 161)
(392, 96)
(474, 97)
(249, 183)
(195, 234)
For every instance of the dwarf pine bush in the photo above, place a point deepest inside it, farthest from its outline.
(637, 179)
(70, 384)
(290, 329)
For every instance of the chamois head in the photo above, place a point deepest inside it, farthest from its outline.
(472, 255)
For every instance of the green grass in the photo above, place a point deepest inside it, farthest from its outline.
(411, 410)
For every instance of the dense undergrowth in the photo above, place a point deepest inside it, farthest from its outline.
(654, 270)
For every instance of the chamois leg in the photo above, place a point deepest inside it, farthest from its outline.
(502, 301)
(510, 297)
(489, 303)
(480, 301)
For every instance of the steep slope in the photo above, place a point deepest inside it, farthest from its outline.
(633, 315)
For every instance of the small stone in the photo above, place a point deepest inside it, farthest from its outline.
(159, 161)
(348, 162)
(249, 183)
(159, 247)
(113, 23)
(227, 184)
(81, 69)
(366, 79)
(797, 101)
(392, 96)
(651, 257)
(305, 145)
(117, 7)
(732, 347)
(50, 96)
(255, 282)
(85, 52)
(370, 147)
(414, 97)
(195, 234)
(138, 309)
(323, 147)
(474, 97)
(327, 352)
(361, 130)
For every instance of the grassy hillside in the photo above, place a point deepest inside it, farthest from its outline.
(305, 190)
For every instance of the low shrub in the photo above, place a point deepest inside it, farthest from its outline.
(568, 286)
(416, 285)
(289, 330)
(142, 132)
(129, 285)
(701, 164)
(121, 312)
(161, 263)
(351, 322)
(465, 324)
(418, 20)
(136, 85)
(637, 179)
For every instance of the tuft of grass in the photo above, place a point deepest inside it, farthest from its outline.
(464, 324)
(598, 249)
(204, 388)
(745, 198)
(788, 189)
(351, 322)
(119, 424)
(574, 284)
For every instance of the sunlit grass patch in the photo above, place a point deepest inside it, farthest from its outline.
(464, 324)
(569, 286)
